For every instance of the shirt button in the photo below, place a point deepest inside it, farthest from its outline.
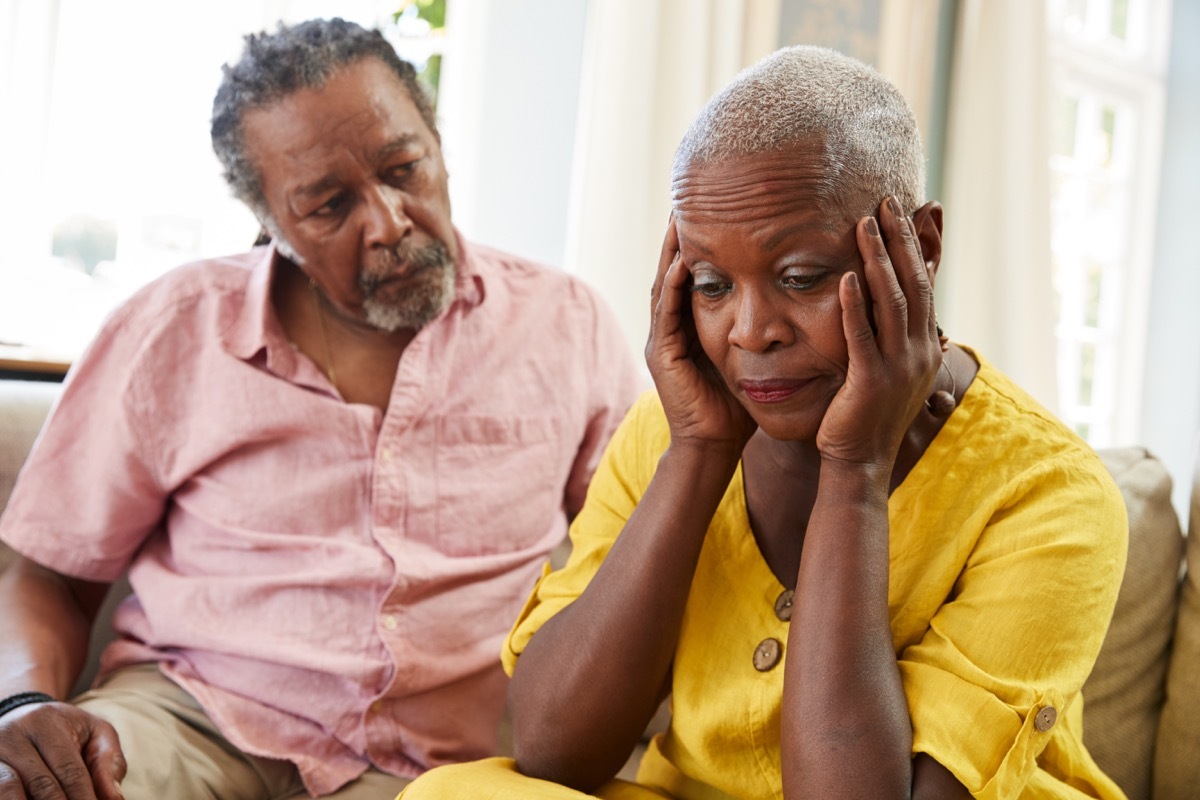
(377, 707)
(387, 454)
(783, 605)
(766, 655)
(390, 622)
(1045, 719)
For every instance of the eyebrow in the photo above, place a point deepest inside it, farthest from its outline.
(822, 227)
(327, 182)
(401, 142)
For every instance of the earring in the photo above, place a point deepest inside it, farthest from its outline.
(942, 403)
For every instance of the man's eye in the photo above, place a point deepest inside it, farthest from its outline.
(711, 289)
(402, 171)
(331, 207)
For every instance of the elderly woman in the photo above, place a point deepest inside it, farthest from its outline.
(860, 560)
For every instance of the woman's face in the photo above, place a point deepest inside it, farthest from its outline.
(766, 254)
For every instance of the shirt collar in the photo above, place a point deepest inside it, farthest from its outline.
(256, 328)
(469, 284)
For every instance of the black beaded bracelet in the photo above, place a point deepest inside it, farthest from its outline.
(23, 699)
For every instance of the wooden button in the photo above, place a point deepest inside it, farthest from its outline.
(767, 654)
(783, 605)
(1045, 719)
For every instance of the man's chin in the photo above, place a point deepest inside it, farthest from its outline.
(414, 308)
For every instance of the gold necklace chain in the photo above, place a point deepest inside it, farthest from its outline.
(330, 372)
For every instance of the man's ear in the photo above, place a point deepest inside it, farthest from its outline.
(927, 220)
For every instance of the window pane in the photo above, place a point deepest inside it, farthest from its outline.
(1091, 305)
(1066, 114)
(1108, 124)
(1087, 373)
(1118, 21)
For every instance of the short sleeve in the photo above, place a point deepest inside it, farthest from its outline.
(619, 482)
(88, 495)
(992, 682)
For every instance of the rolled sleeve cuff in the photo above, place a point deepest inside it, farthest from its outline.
(991, 746)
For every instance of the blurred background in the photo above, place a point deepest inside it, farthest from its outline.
(1062, 137)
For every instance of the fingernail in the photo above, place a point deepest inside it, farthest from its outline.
(872, 228)
(894, 205)
(852, 280)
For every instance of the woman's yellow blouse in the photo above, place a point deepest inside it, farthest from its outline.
(1008, 544)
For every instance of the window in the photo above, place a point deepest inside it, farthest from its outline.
(109, 176)
(1108, 61)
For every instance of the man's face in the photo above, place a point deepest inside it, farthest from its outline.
(354, 181)
(766, 254)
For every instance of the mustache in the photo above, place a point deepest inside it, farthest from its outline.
(386, 264)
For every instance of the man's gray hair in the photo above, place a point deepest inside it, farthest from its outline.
(276, 65)
(802, 94)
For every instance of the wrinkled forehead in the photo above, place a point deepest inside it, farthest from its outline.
(809, 176)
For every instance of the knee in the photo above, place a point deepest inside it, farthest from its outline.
(459, 780)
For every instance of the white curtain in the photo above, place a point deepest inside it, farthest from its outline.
(648, 67)
(994, 289)
(907, 54)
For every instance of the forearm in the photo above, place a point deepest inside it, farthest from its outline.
(846, 730)
(594, 674)
(44, 624)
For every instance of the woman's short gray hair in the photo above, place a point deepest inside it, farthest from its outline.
(798, 95)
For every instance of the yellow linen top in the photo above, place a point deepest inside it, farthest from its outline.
(1008, 543)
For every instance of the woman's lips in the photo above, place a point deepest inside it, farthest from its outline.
(773, 391)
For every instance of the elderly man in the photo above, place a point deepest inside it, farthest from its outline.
(332, 467)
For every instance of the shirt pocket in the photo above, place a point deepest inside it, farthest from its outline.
(499, 483)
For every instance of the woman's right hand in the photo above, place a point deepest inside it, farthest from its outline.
(699, 407)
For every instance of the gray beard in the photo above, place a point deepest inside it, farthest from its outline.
(416, 308)
(422, 303)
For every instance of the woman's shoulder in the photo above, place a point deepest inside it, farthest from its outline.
(1004, 438)
(641, 439)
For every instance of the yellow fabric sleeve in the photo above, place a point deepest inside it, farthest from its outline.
(1021, 631)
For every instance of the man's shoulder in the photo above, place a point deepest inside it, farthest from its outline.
(206, 282)
(206, 277)
(526, 276)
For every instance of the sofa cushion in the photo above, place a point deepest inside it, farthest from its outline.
(1123, 697)
(1177, 760)
(23, 409)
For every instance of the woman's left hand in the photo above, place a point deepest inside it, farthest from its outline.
(893, 363)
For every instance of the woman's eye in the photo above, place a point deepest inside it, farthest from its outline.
(711, 289)
(801, 282)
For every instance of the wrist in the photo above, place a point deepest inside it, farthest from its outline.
(15, 701)
(858, 480)
(704, 456)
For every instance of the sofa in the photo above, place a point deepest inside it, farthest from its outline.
(1142, 701)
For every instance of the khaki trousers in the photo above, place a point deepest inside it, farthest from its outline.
(174, 751)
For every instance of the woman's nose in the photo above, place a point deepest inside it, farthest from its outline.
(758, 325)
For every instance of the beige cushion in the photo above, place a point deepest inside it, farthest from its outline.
(1124, 695)
(1177, 761)
(23, 408)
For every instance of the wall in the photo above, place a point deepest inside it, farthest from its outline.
(1170, 421)
(508, 109)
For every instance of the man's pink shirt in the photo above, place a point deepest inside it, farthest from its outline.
(332, 583)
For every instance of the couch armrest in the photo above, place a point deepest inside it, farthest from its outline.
(1176, 761)
(1123, 697)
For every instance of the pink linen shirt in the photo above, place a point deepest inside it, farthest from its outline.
(332, 583)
